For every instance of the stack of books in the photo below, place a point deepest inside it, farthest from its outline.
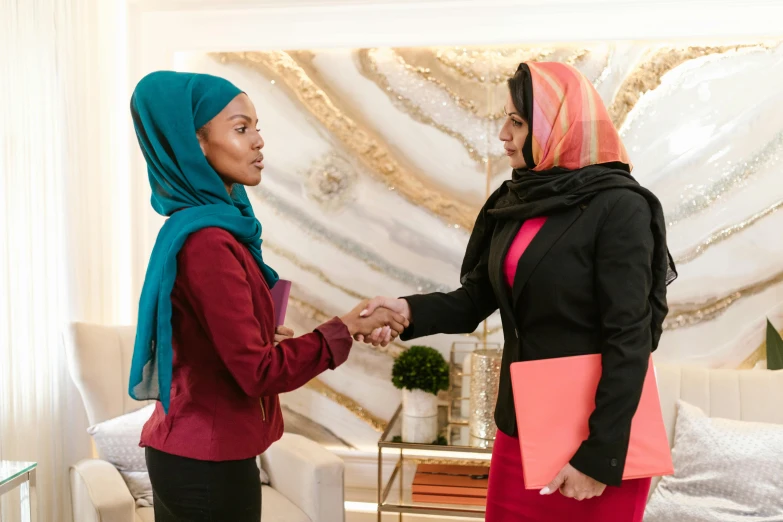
(451, 484)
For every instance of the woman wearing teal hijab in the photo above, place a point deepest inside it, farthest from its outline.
(207, 348)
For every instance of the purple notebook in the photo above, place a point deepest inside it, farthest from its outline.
(280, 294)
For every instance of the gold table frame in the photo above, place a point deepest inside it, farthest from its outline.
(449, 424)
(422, 453)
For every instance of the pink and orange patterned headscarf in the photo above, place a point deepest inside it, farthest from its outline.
(571, 126)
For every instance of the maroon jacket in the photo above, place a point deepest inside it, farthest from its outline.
(227, 371)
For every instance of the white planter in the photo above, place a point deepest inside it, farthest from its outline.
(418, 403)
(419, 417)
(419, 430)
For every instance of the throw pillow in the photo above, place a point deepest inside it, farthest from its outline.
(725, 470)
(117, 442)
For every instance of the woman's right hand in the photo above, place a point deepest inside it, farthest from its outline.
(382, 336)
(361, 322)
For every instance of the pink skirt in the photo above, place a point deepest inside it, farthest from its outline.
(509, 501)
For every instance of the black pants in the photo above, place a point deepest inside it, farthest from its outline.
(187, 490)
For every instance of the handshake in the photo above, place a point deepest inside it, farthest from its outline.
(378, 321)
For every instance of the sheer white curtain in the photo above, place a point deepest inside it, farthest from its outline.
(63, 236)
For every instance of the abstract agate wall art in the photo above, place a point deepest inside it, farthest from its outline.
(379, 159)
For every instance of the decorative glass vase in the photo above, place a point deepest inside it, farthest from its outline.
(484, 378)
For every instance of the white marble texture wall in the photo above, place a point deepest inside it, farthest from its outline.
(345, 222)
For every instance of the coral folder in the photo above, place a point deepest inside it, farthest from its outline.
(554, 398)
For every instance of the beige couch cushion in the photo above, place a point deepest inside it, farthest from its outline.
(728, 394)
(274, 508)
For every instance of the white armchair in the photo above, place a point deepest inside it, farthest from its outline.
(306, 479)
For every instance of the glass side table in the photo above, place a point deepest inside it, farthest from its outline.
(395, 489)
(20, 474)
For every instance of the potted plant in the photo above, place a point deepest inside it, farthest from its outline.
(420, 372)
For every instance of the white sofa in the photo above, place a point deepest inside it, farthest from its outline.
(306, 479)
(730, 394)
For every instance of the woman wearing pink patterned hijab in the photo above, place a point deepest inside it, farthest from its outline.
(572, 250)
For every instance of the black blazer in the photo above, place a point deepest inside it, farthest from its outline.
(581, 287)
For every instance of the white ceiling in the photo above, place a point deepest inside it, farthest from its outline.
(359, 23)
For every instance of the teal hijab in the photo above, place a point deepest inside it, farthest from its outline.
(167, 108)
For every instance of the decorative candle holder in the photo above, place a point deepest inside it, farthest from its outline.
(484, 378)
(460, 393)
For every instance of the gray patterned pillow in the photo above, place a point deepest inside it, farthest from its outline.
(724, 470)
(117, 441)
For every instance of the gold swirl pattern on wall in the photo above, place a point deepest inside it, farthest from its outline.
(759, 354)
(316, 229)
(367, 61)
(689, 314)
(371, 150)
(727, 178)
(379, 160)
(471, 87)
(348, 403)
(311, 312)
(495, 65)
(647, 76)
(369, 68)
(312, 269)
(726, 233)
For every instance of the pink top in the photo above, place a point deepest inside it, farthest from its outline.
(525, 235)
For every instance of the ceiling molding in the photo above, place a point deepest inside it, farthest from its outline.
(215, 25)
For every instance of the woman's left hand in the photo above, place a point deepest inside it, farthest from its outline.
(282, 333)
(574, 484)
